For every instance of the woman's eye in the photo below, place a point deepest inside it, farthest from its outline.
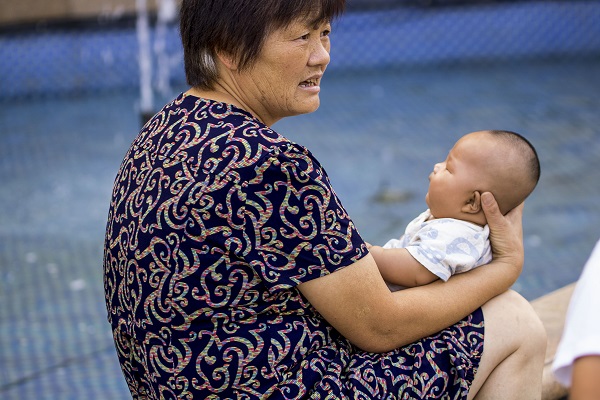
(326, 32)
(305, 36)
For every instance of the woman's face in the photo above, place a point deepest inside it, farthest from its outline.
(285, 79)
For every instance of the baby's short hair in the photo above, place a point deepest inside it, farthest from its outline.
(525, 180)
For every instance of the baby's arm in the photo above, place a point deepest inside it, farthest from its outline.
(399, 267)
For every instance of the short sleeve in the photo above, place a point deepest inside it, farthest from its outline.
(581, 335)
(295, 224)
(447, 246)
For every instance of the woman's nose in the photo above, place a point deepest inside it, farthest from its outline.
(320, 53)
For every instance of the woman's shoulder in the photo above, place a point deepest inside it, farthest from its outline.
(225, 118)
(223, 134)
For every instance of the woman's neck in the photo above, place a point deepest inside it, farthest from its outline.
(214, 95)
(223, 96)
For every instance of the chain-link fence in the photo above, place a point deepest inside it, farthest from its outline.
(85, 56)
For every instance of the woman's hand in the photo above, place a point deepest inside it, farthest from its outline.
(506, 235)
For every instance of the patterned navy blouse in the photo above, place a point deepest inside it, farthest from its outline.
(214, 221)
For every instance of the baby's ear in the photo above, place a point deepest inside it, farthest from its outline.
(473, 204)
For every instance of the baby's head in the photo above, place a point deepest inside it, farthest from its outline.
(501, 162)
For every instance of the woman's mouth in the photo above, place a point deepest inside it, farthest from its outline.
(309, 83)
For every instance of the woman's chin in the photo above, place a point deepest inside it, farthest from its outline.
(312, 105)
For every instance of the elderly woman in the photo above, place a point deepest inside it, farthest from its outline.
(232, 269)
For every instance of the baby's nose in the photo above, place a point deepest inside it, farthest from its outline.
(437, 167)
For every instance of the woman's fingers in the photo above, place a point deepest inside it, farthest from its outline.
(506, 232)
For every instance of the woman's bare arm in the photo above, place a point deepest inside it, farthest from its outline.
(585, 384)
(356, 301)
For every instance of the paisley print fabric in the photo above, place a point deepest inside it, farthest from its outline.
(214, 221)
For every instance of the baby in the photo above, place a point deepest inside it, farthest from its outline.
(452, 235)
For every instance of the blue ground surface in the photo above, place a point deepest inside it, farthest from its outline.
(378, 134)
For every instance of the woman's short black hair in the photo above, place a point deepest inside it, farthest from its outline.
(238, 28)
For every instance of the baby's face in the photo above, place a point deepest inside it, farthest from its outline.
(465, 170)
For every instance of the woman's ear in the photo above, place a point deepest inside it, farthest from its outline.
(473, 204)
(227, 60)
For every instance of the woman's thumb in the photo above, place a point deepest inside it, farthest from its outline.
(490, 207)
(500, 225)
